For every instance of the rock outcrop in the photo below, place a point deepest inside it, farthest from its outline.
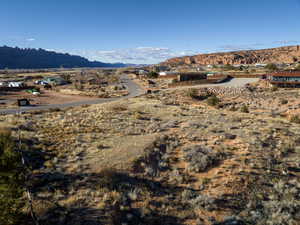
(289, 54)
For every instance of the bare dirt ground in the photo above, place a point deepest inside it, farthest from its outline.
(46, 98)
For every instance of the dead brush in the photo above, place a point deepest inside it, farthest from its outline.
(119, 108)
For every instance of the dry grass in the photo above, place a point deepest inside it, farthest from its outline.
(127, 162)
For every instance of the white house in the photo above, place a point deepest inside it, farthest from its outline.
(143, 72)
(165, 73)
(15, 84)
(259, 65)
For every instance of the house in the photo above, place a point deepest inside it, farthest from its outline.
(166, 73)
(3, 84)
(191, 76)
(260, 65)
(15, 84)
(284, 79)
(143, 72)
(55, 81)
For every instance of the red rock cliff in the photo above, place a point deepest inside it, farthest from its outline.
(287, 54)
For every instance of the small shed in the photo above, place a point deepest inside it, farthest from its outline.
(23, 102)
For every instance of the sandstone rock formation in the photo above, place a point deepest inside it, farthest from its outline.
(289, 54)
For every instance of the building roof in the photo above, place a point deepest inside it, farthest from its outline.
(285, 82)
(286, 74)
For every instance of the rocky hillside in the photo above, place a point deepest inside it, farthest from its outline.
(288, 54)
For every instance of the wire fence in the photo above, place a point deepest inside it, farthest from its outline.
(26, 175)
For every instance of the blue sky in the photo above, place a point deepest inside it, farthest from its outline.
(140, 31)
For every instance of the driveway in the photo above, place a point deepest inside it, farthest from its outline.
(133, 89)
(235, 82)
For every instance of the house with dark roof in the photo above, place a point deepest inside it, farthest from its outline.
(285, 79)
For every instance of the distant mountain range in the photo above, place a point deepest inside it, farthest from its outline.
(288, 54)
(27, 58)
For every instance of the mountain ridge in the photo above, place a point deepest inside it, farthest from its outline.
(31, 58)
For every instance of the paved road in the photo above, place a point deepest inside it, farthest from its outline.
(235, 82)
(133, 88)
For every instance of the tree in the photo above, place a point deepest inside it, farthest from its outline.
(152, 74)
(229, 67)
(271, 67)
(213, 101)
(244, 109)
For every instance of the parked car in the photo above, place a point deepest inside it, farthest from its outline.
(41, 82)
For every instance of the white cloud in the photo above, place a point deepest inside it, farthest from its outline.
(255, 46)
(134, 55)
(30, 39)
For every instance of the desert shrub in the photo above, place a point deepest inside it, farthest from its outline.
(66, 77)
(271, 67)
(113, 180)
(206, 181)
(78, 85)
(119, 108)
(213, 100)
(199, 158)
(244, 109)
(187, 195)
(274, 88)
(233, 108)
(192, 93)
(284, 101)
(229, 67)
(297, 68)
(281, 206)
(174, 81)
(11, 180)
(295, 119)
(203, 201)
(152, 75)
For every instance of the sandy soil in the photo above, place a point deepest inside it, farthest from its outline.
(47, 97)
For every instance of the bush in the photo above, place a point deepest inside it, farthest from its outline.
(274, 88)
(229, 67)
(271, 67)
(192, 93)
(199, 158)
(11, 181)
(152, 74)
(233, 108)
(295, 119)
(297, 68)
(284, 101)
(213, 100)
(174, 81)
(244, 109)
(113, 179)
